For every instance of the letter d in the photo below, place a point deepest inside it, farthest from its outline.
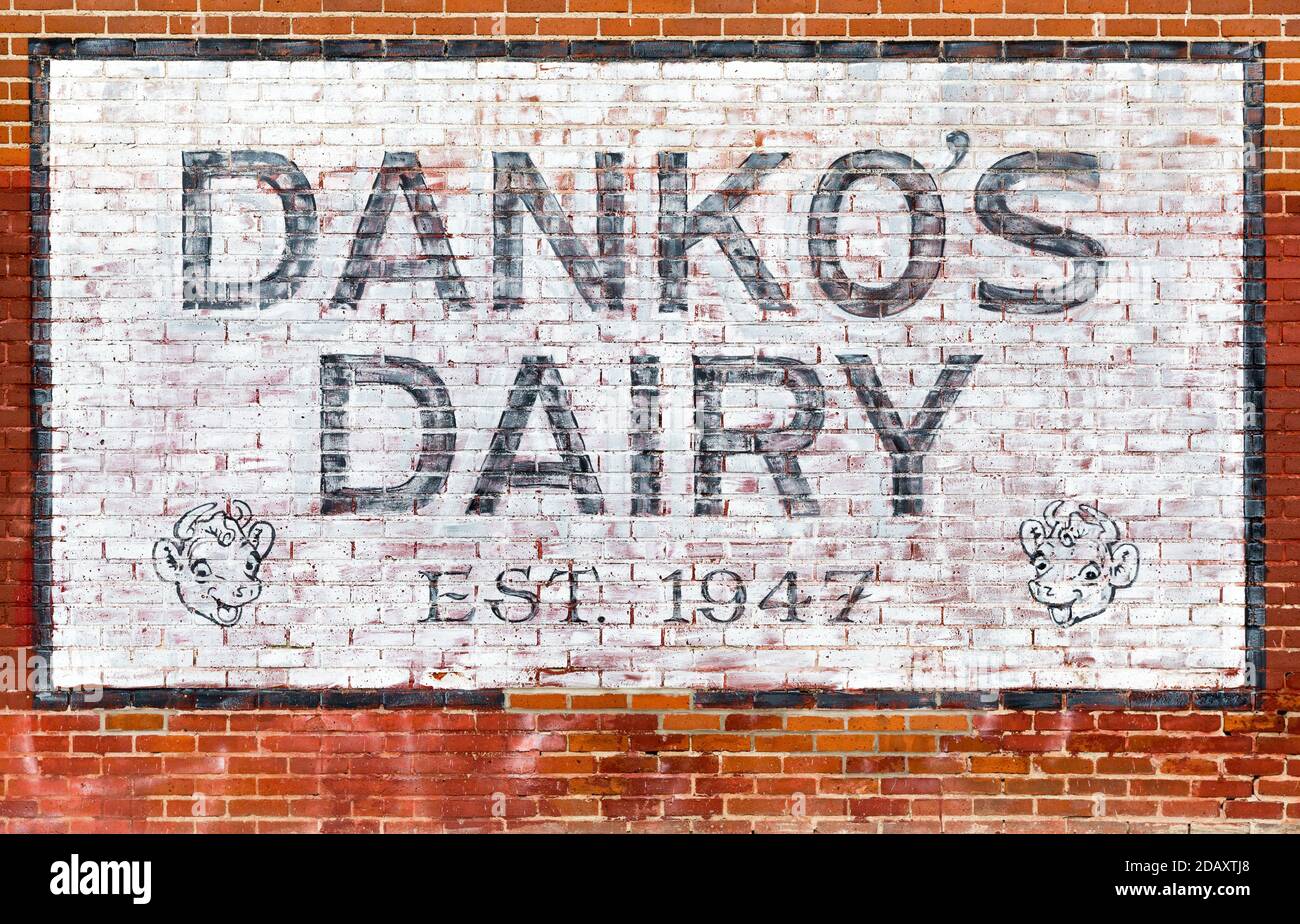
(301, 225)
(339, 375)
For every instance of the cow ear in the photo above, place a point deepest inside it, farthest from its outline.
(1031, 536)
(262, 535)
(167, 560)
(1123, 564)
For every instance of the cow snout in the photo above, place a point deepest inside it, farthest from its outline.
(1051, 594)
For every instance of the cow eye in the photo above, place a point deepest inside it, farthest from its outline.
(201, 570)
(1041, 566)
(1091, 573)
(250, 567)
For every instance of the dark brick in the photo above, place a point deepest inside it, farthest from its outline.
(537, 51)
(166, 48)
(1158, 51)
(476, 48)
(225, 699)
(413, 699)
(354, 48)
(725, 49)
(787, 51)
(1032, 699)
(484, 699)
(854, 51)
(416, 48)
(105, 48)
(351, 699)
(288, 699)
(977, 51)
(1224, 699)
(723, 699)
(1097, 699)
(230, 48)
(1159, 699)
(662, 50)
(158, 698)
(283, 49)
(918, 50)
(1021, 50)
(600, 50)
(949, 699)
(832, 700)
(1096, 51)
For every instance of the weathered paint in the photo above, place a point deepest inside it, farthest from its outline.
(926, 343)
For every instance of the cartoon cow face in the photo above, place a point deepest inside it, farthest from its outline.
(214, 560)
(1078, 561)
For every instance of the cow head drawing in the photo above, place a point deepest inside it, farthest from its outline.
(214, 560)
(1078, 561)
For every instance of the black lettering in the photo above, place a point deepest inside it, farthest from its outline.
(338, 375)
(792, 602)
(715, 217)
(908, 445)
(435, 595)
(401, 170)
(516, 180)
(647, 454)
(571, 610)
(538, 378)
(851, 599)
(301, 226)
(516, 593)
(738, 595)
(1088, 255)
(778, 448)
(925, 243)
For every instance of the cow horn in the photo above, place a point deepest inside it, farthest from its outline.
(1104, 524)
(242, 512)
(184, 528)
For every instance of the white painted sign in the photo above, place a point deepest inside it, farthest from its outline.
(745, 374)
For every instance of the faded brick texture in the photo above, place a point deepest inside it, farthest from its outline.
(1143, 717)
(1131, 399)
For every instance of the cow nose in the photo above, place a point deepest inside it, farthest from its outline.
(1043, 593)
(1048, 593)
(245, 592)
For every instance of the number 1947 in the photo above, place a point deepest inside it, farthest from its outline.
(728, 596)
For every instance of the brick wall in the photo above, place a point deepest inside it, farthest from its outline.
(644, 759)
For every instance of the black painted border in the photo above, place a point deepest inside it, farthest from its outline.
(42, 50)
(649, 50)
(42, 493)
(1254, 362)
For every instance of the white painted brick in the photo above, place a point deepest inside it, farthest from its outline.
(1131, 401)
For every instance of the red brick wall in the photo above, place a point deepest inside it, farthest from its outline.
(648, 761)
